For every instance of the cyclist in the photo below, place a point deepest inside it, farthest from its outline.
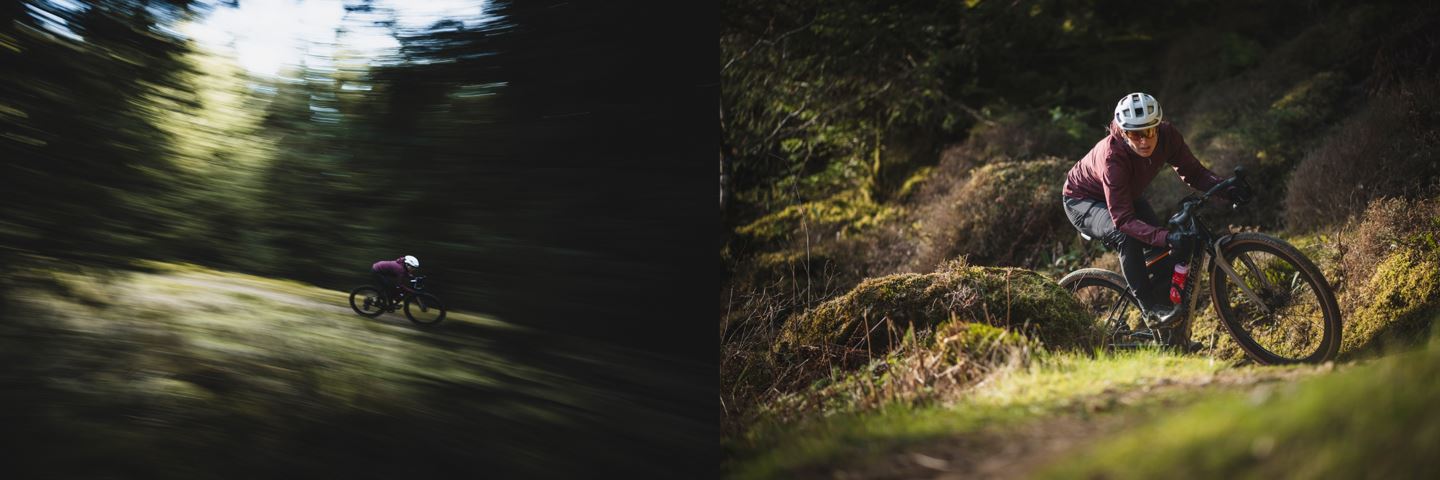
(1102, 194)
(394, 275)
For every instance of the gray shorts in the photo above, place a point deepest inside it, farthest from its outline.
(1093, 219)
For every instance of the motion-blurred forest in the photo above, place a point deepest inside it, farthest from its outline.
(877, 159)
(543, 165)
(532, 164)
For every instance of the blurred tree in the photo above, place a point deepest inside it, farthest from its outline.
(531, 160)
(89, 170)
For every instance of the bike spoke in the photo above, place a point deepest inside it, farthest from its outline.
(1245, 258)
(1107, 304)
(1115, 315)
(1294, 326)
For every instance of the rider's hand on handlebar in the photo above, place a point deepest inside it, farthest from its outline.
(1174, 238)
(1238, 194)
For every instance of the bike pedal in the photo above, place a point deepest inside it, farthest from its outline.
(1155, 323)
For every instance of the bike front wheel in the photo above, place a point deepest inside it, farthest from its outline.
(424, 309)
(1281, 310)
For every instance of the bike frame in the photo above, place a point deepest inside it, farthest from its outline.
(416, 284)
(1204, 248)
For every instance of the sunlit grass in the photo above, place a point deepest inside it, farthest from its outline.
(181, 278)
(1059, 384)
(1070, 376)
(1373, 421)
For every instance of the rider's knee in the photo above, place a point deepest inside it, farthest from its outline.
(1117, 240)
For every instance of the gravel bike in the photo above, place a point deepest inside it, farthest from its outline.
(420, 307)
(1269, 296)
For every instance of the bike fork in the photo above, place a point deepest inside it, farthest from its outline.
(1229, 269)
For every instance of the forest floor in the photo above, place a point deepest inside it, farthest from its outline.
(1129, 414)
(1024, 448)
(160, 374)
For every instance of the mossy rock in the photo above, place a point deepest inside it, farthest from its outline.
(1403, 295)
(868, 320)
(1391, 288)
(959, 353)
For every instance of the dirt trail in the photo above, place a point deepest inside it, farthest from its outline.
(234, 285)
(1022, 450)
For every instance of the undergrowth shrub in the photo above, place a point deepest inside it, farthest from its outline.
(1384, 150)
(924, 368)
(1391, 264)
(1005, 213)
(866, 322)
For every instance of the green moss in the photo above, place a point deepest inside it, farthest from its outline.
(870, 316)
(1056, 384)
(916, 375)
(1323, 248)
(1374, 421)
(1310, 102)
(847, 212)
(916, 179)
(1238, 51)
(971, 341)
(1400, 298)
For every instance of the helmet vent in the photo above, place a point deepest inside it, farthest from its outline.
(1137, 111)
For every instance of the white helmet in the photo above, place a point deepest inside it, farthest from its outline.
(1137, 111)
(412, 262)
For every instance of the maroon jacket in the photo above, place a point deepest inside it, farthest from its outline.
(394, 268)
(1114, 174)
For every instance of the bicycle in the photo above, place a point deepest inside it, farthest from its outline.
(1274, 302)
(421, 307)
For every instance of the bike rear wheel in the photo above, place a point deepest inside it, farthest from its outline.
(367, 300)
(1297, 319)
(424, 309)
(1103, 293)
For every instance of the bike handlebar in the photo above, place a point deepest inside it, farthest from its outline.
(1188, 205)
(1227, 183)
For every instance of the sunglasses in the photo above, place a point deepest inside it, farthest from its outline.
(1139, 134)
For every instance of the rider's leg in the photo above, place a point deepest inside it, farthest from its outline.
(1093, 219)
(1158, 300)
(386, 286)
(1132, 264)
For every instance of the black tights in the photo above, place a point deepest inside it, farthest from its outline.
(387, 285)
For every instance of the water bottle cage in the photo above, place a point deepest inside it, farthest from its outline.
(1187, 285)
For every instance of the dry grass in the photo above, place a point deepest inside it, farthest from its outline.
(1390, 264)
(901, 337)
(859, 325)
(1387, 225)
(1381, 151)
(919, 369)
(1003, 214)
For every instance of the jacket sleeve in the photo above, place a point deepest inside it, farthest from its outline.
(1116, 183)
(404, 275)
(1191, 171)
